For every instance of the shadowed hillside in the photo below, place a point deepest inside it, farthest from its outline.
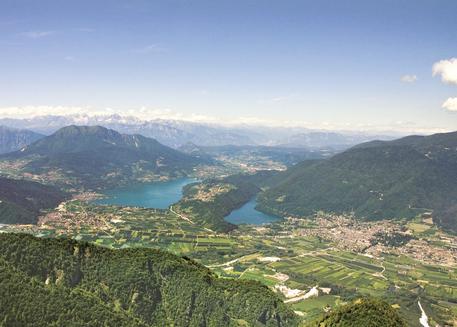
(12, 139)
(21, 201)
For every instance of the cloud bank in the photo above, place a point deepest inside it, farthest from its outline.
(37, 34)
(83, 115)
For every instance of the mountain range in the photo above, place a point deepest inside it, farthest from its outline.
(175, 133)
(336, 141)
(94, 157)
(375, 180)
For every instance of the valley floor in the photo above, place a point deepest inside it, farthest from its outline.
(314, 264)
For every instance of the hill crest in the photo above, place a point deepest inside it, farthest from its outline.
(376, 180)
(97, 157)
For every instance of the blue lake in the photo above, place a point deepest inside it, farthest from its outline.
(161, 195)
(247, 214)
(152, 195)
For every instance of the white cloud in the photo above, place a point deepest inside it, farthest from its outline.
(69, 58)
(36, 111)
(447, 69)
(408, 78)
(151, 48)
(277, 99)
(142, 113)
(37, 34)
(84, 29)
(450, 104)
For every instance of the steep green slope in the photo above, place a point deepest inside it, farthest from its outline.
(21, 201)
(12, 139)
(26, 302)
(93, 157)
(50, 281)
(375, 180)
(362, 313)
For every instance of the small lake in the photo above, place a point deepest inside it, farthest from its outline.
(247, 214)
(158, 195)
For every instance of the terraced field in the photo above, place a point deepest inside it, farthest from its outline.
(120, 227)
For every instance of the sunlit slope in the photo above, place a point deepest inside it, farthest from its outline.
(362, 313)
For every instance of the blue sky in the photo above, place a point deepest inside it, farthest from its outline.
(326, 63)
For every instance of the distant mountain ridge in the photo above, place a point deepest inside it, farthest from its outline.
(375, 180)
(168, 132)
(337, 141)
(12, 139)
(94, 157)
(176, 133)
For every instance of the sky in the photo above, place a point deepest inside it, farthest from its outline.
(386, 64)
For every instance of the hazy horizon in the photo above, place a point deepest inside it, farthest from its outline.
(357, 66)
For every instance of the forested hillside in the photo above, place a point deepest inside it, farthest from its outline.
(210, 201)
(52, 282)
(21, 201)
(376, 180)
(362, 313)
